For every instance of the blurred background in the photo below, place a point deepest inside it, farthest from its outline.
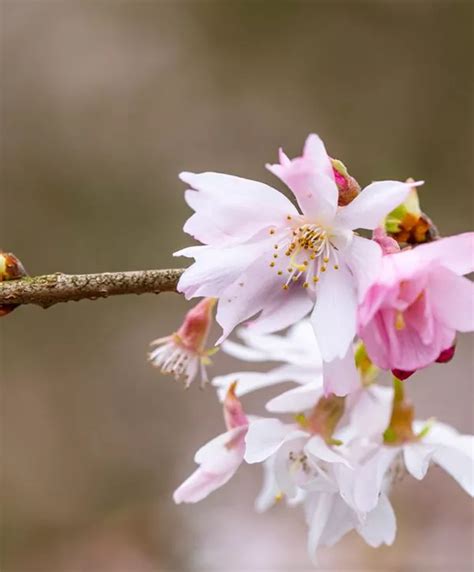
(103, 104)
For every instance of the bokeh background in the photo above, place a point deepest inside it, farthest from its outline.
(103, 103)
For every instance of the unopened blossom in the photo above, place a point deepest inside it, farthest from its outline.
(220, 458)
(261, 254)
(183, 353)
(420, 299)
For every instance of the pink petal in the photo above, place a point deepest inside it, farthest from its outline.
(311, 180)
(452, 297)
(373, 204)
(453, 252)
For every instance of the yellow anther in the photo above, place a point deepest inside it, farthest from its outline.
(279, 273)
(272, 264)
(288, 217)
(326, 259)
(275, 256)
(275, 246)
(315, 279)
(336, 267)
(272, 231)
(285, 286)
(323, 269)
(305, 284)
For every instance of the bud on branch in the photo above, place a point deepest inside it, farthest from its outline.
(50, 289)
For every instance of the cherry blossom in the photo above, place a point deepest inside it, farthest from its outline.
(183, 353)
(220, 458)
(418, 302)
(261, 254)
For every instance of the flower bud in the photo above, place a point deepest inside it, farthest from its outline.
(11, 268)
(446, 355)
(234, 415)
(407, 224)
(348, 187)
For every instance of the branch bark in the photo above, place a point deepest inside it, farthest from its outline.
(50, 289)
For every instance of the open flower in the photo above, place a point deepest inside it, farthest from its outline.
(183, 353)
(220, 458)
(410, 315)
(430, 442)
(261, 254)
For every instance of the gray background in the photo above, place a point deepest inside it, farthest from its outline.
(103, 103)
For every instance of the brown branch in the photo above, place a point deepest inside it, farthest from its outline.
(45, 291)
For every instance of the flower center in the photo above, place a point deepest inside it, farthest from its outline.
(306, 252)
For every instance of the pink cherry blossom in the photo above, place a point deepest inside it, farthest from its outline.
(261, 254)
(420, 299)
(183, 353)
(220, 458)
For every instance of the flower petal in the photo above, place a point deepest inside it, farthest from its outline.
(317, 448)
(334, 315)
(370, 477)
(364, 258)
(215, 269)
(371, 206)
(311, 180)
(452, 297)
(341, 376)
(264, 438)
(254, 290)
(453, 252)
(417, 458)
(283, 311)
(319, 519)
(249, 381)
(380, 526)
(298, 399)
(231, 209)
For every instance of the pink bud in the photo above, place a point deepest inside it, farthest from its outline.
(195, 328)
(234, 415)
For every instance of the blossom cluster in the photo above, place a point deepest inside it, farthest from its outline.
(352, 306)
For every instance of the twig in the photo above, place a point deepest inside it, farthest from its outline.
(45, 291)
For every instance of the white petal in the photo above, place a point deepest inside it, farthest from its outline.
(230, 209)
(249, 381)
(215, 269)
(217, 450)
(371, 206)
(417, 458)
(334, 315)
(458, 461)
(318, 523)
(341, 520)
(253, 291)
(341, 376)
(370, 476)
(264, 437)
(370, 409)
(283, 311)
(269, 491)
(380, 526)
(364, 258)
(298, 399)
(319, 450)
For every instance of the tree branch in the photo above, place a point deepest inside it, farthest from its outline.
(45, 291)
